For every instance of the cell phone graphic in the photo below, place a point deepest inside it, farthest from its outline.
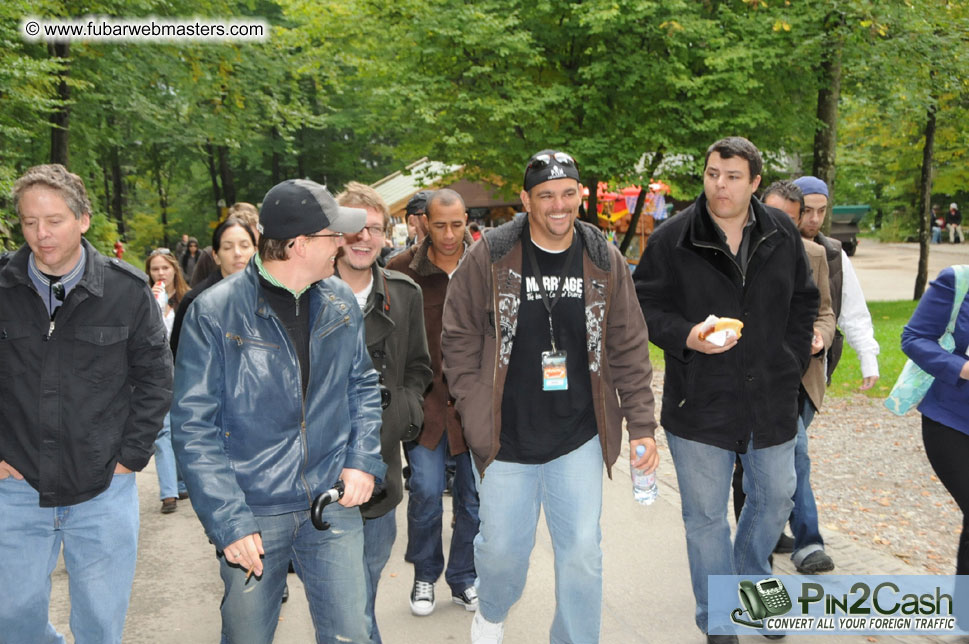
(765, 598)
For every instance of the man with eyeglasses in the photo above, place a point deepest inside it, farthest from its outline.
(85, 382)
(276, 399)
(393, 313)
(546, 352)
(431, 264)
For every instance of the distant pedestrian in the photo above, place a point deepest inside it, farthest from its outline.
(953, 221)
(190, 258)
(938, 223)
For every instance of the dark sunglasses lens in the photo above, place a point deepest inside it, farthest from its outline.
(58, 289)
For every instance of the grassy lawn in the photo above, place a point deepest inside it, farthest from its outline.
(889, 318)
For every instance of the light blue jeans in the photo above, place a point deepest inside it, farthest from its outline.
(378, 541)
(330, 565)
(704, 473)
(569, 489)
(100, 540)
(169, 483)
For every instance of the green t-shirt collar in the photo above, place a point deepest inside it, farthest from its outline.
(275, 282)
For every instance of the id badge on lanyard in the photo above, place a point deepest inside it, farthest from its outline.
(554, 373)
(554, 363)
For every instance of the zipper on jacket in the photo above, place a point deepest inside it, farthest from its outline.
(743, 273)
(302, 401)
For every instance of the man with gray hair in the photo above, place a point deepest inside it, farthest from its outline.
(85, 383)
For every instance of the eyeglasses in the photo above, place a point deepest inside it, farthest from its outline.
(543, 160)
(58, 290)
(160, 251)
(375, 230)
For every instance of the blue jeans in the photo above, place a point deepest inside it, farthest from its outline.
(425, 512)
(804, 517)
(570, 490)
(100, 539)
(330, 565)
(169, 482)
(378, 540)
(704, 472)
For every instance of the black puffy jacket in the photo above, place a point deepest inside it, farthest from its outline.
(688, 273)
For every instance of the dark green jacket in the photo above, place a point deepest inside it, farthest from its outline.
(394, 326)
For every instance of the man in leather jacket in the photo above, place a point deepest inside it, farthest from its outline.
(275, 400)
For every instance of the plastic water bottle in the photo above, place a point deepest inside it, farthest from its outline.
(644, 485)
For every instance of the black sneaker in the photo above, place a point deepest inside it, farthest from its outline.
(817, 561)
(467, 598)
(785, 545)
(422, 598)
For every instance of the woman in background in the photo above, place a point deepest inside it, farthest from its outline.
(234, 243)
(168, 285)
(945, 408)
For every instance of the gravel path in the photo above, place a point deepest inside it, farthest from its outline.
(872, 482)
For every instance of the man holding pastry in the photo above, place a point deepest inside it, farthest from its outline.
(731, 390)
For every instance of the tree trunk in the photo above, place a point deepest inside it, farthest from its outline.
(228, 185)
(61, 116)
(826, 135)
(640, 202)
(117, 190)
(162, 193)
(106, 178)
(925, 199)
(214, 176)
(277, 173)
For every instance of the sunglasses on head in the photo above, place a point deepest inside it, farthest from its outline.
(160, 251)
(543, 160)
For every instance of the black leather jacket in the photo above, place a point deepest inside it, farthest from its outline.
(92, 394)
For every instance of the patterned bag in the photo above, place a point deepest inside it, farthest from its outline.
(913, 383)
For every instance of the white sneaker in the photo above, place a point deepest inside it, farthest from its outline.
(422, 598)
(485, 632)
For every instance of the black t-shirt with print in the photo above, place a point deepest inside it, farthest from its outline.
(539, 426)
